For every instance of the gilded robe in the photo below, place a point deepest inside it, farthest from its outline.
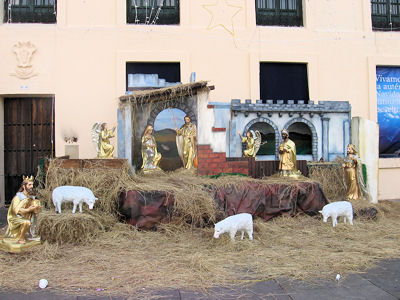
(188, 147)
(150, 155)
(16, 219)
(106, 149)
(250, 147)
(287, 156)
(356, 188)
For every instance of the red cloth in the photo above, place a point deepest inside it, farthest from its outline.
(265, 200)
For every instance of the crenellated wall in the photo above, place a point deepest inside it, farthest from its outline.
(328, 122)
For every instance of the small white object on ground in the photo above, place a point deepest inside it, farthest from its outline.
(338, 277)
(43, 283)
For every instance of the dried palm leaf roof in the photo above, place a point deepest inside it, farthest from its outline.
(165, 94)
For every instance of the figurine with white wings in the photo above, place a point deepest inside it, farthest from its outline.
(253, 142)
(101, 139)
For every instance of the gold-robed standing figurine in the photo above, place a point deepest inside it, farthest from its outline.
(151, 157)
(101, 139)
(187, 144)
(21, 218)
(353, 177)
(287, 156)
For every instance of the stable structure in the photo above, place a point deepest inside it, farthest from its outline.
(141, 108)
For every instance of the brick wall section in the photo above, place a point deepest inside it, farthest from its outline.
(212, 163)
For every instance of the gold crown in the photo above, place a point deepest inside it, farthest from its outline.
(29, 179)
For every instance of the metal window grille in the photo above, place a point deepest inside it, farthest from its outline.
(385, 15)
(279, 12)
(30, 11)
(154, 12)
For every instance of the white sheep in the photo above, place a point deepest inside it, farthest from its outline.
(75, 194)
(240, 222)
(338, 209)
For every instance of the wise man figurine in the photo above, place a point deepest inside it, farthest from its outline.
(21, 214)
(287, 156)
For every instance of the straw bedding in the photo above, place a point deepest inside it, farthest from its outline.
(123, 260)
(330, 175)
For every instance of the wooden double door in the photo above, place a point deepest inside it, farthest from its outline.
(28, 137)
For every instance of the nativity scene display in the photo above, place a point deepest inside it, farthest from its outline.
(185, 165)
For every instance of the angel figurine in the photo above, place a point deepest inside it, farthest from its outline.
(253, 142)
(101, 140)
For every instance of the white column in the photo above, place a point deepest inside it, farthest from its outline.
(365, 136)
(325, 138)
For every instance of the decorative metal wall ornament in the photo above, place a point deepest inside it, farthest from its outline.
(24, 52)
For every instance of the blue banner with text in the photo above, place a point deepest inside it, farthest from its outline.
(388, 96)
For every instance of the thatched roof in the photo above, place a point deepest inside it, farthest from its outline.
(165, 94)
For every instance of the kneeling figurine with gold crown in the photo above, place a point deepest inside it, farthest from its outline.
(21, 219)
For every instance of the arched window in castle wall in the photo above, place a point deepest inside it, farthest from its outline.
(301, 135)
(267, 138)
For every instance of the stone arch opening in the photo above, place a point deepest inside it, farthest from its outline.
(269, 133)
(156, 109)
(301, 135)
(267, 138)
(304, 135)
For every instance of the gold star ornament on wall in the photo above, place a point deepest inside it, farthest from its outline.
(222, 14)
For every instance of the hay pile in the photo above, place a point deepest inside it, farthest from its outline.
(330, 175)
(104, 183)
(193, 204)
(165, 94)
(72, 228)
(125, 260)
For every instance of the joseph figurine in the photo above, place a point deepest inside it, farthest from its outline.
(21, 210)
(189, 144)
